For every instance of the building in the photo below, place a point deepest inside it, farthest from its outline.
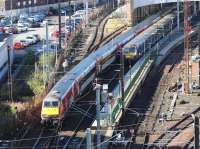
(196, 71)
(6, 41)
(2, 5)
(19, 4)
(26, 6)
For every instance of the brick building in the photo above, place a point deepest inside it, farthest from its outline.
(18, 4)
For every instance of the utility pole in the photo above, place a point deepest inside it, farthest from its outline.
(196, 131)
(89, 138)
(186, 46)
(86, 14)
(10, 75)
(120, 48)
(11, 9)
(178, 15)
(46, 55)
(98, 96)
(70, 17)
(59, 24)
(199, 49)
(195, 8)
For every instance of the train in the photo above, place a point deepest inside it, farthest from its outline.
(134, 49)
(58, 101)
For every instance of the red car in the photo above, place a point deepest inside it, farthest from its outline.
(55, 34)
(2, 30)
(18, 45)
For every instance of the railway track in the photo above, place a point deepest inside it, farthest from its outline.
(146, 122)
(79, 122)
(73, 123)
(169, 69)
(99, 39)
(45, 138)
(87, 108)
(176, 129)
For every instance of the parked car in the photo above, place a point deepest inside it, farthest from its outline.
(78, 16)
(11, 29)
(34, 24)
(37, 37)
(2, 30)
(18, 45)
(55, 34)
(28, 41)
(31, 39)
(49, 21)
(23, 15)
(22, 28)
(23, 23)
(25, 43)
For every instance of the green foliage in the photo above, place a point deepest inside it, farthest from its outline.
(47, 59)
(30, 58)
(35, 83)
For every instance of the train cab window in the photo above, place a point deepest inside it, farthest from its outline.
(55, 104)
(47, 104)
(51, 104)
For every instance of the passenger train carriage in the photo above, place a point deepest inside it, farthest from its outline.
(64, 93)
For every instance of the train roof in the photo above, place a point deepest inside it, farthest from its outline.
(138, 40)
(87, 64)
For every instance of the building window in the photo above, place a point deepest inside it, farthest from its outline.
(29, 2)
(35, 1)
(18, 4)
(24, 3)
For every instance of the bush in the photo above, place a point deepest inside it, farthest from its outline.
(35, 83)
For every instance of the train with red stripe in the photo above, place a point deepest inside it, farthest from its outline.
(72, 85)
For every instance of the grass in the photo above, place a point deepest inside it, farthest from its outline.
(112, 25)
(29, 82)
